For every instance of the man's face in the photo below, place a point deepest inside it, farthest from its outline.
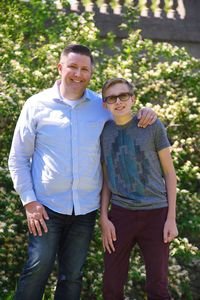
(119, 108)
(75, 71)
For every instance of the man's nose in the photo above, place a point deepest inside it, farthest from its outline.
(78, 72)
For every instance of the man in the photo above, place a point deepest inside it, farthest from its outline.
(55, 166)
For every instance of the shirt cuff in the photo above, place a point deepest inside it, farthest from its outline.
(28, 197)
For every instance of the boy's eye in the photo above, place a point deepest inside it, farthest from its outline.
(124, 96)
(112, 99)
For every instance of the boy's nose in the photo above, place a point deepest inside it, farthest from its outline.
(118, 100)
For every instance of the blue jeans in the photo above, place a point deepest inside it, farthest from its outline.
(68, 237)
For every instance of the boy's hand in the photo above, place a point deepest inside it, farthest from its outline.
(170, 230)
(108, 234)
(147, 116)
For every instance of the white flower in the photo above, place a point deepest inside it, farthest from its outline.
(37, 73)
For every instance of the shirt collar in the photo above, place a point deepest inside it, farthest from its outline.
(55, 92)
(57, 96)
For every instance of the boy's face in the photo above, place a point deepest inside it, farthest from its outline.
(119, 108)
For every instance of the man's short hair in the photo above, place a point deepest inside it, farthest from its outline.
(115, 80)
(79, 49)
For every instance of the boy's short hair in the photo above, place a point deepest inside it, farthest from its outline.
(79, 49)
(115, 80)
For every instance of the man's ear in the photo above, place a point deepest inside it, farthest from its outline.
(59, 68)
(92, 70)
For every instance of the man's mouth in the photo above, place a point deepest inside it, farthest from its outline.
(77, 81)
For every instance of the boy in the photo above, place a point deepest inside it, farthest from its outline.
(143, 204)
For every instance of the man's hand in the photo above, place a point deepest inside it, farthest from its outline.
(108, 234)
(146, 116)
(36, 216)
(170, 230)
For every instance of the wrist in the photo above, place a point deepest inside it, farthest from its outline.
(103, 216)
(171, 218)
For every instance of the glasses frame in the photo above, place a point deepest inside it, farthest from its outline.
(115, 97)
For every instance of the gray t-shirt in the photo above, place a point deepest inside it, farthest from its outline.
(131, 157)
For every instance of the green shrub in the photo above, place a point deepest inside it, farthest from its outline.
(166, 78)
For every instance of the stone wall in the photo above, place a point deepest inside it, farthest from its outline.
(174, 21)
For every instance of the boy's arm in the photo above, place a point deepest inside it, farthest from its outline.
(107, 227)
(170, 228)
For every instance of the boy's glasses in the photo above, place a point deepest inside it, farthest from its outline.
(113, 99)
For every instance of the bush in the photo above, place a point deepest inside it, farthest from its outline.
(166, 79)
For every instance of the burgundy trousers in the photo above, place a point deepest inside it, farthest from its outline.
(144, 227)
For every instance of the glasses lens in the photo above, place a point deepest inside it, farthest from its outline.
(124, 96)
(111, 99)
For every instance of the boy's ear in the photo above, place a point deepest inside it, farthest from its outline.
(133, 99)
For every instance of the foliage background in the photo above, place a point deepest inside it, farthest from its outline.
(166, 78)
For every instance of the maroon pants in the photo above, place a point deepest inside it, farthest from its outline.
(145, 228)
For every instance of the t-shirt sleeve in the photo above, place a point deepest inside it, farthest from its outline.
(161, 139)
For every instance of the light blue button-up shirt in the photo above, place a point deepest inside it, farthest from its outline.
(55, 153)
